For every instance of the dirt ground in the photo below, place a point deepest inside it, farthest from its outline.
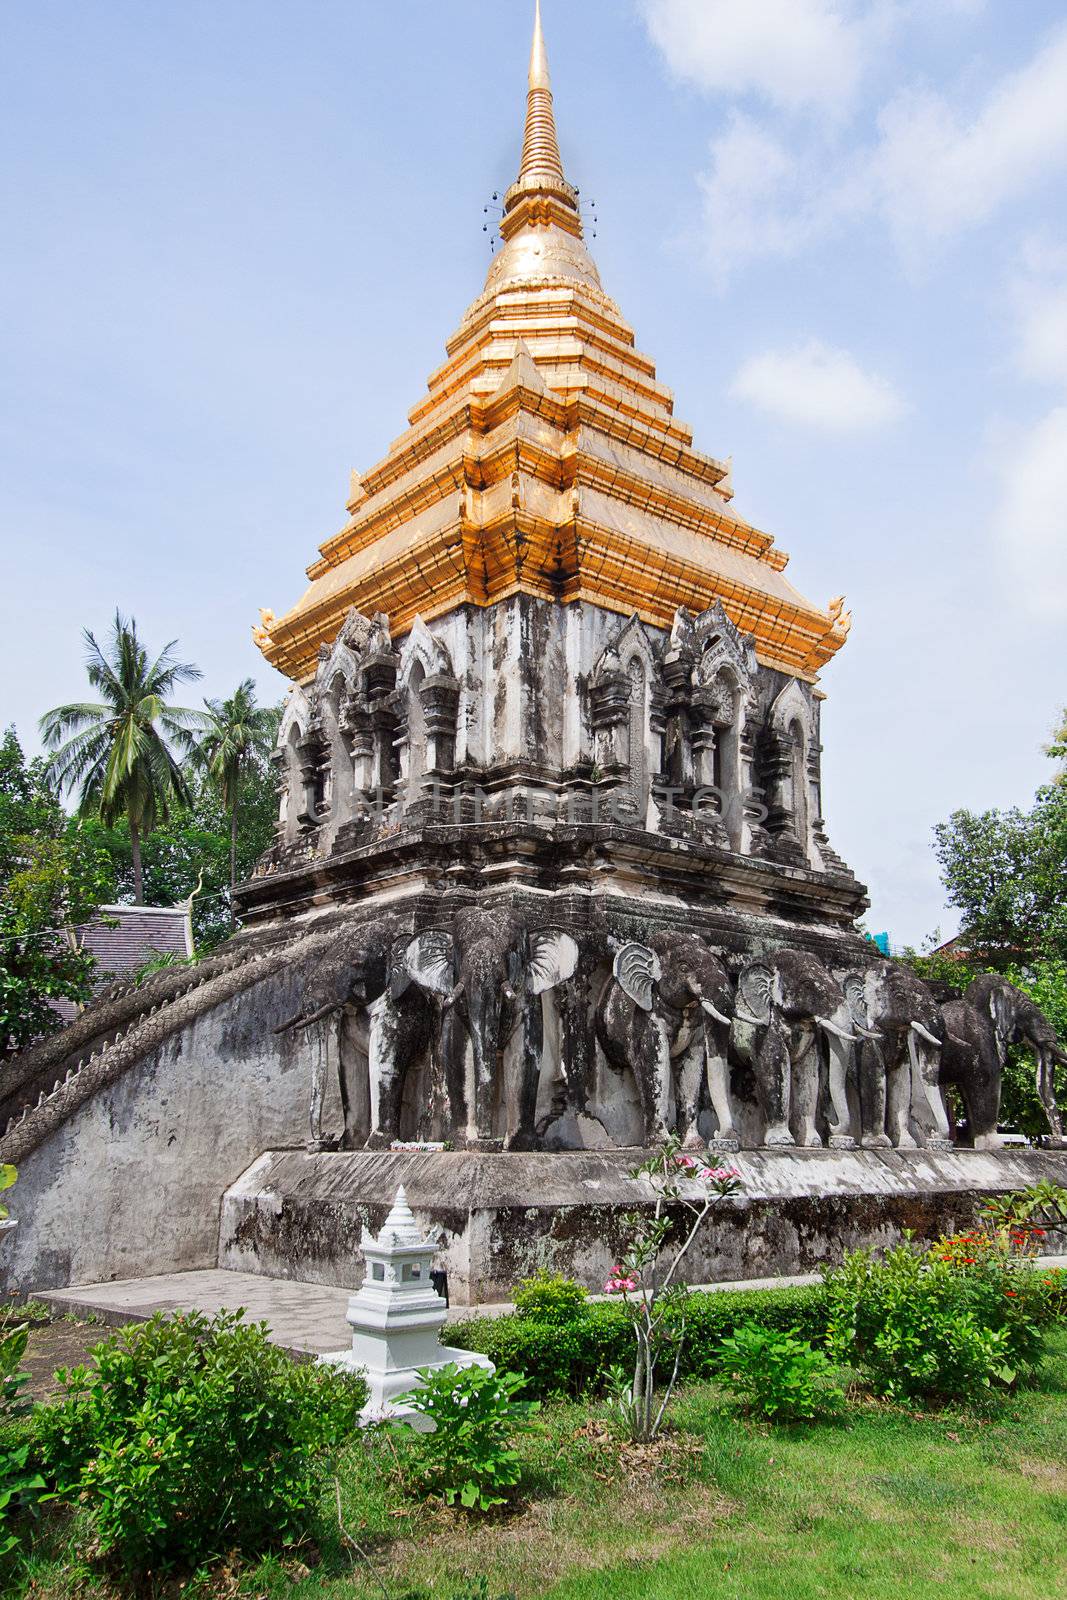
(57, 1344)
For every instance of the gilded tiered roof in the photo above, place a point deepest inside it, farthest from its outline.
(546, 459)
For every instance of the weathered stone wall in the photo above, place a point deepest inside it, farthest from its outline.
(130, 1183)
(500, 1217)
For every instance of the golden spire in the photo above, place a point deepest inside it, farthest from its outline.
(540, 149)
(540, 193)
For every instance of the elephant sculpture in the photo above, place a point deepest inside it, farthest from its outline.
(666, 1012)
(361, 979)
(491, 973)
(970, 1062)
(900, 1066)
(1017, 1020)
(784, 1003)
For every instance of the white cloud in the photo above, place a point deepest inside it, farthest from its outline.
(938, 173)
(792, 52)
(931, 172)
(820, 387)
(1030, 527)
(763, 196)
(1039, 293)
(1043, 333)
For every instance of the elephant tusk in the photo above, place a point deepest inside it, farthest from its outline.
(714, 1013)
(924, 1033)
(753, 1022)
(867, 1033)
(509, 993)
(961, 1044)
(450, 1000)
(839, 1033)
(287, 1027)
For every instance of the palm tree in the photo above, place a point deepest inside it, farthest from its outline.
(237, 732)
(118, 752)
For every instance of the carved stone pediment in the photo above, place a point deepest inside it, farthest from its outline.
(716, 643)
(423, 648)
(632, 639)
(790, 706)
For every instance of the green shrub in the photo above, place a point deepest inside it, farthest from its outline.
(20, 1484)
(574, 1358)
(550, 1297)
(469, 1456)
(933, 1324)
(777, 1375)
(191, 1438)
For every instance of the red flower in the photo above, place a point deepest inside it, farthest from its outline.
(1013, 1293)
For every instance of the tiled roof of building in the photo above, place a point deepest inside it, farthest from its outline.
(122, 938)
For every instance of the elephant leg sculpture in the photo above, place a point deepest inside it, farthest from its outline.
(924, 1051)
(321, 1033)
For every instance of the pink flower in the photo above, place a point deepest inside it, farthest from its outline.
(689, 1162)
(620, 1284)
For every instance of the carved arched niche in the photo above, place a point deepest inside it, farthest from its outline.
(722, 670)
(786, 748)
(622, 698)
(427, 697)
(297, 768)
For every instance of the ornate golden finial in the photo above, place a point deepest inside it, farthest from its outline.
(539, 78)
(540, 193)
(540, 149)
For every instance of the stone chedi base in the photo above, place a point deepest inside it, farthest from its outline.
(500, 1217)
(396, 1317)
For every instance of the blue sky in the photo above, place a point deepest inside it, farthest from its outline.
(236, 236)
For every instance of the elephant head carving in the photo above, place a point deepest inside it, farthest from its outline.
(490, 971)
(666, 1014)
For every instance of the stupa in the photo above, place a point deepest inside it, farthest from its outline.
(551, 881)
(544, 618)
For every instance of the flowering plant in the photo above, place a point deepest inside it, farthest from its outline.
(648, 1275)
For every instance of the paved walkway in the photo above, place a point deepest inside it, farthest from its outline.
(305, 1318)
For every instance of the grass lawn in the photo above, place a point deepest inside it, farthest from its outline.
(884, 1503)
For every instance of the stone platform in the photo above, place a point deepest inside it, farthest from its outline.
(500, 1216)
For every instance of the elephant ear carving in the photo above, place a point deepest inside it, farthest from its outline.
(553, 959)
(400, 975)
(428, 959)
(754, 986)
(856, 995)
(636, 969)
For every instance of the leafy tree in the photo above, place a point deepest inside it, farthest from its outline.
(118, 751)
(52, 876)
(1057, 750)
(189, 853)
(239, 733)
(1006, 873)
